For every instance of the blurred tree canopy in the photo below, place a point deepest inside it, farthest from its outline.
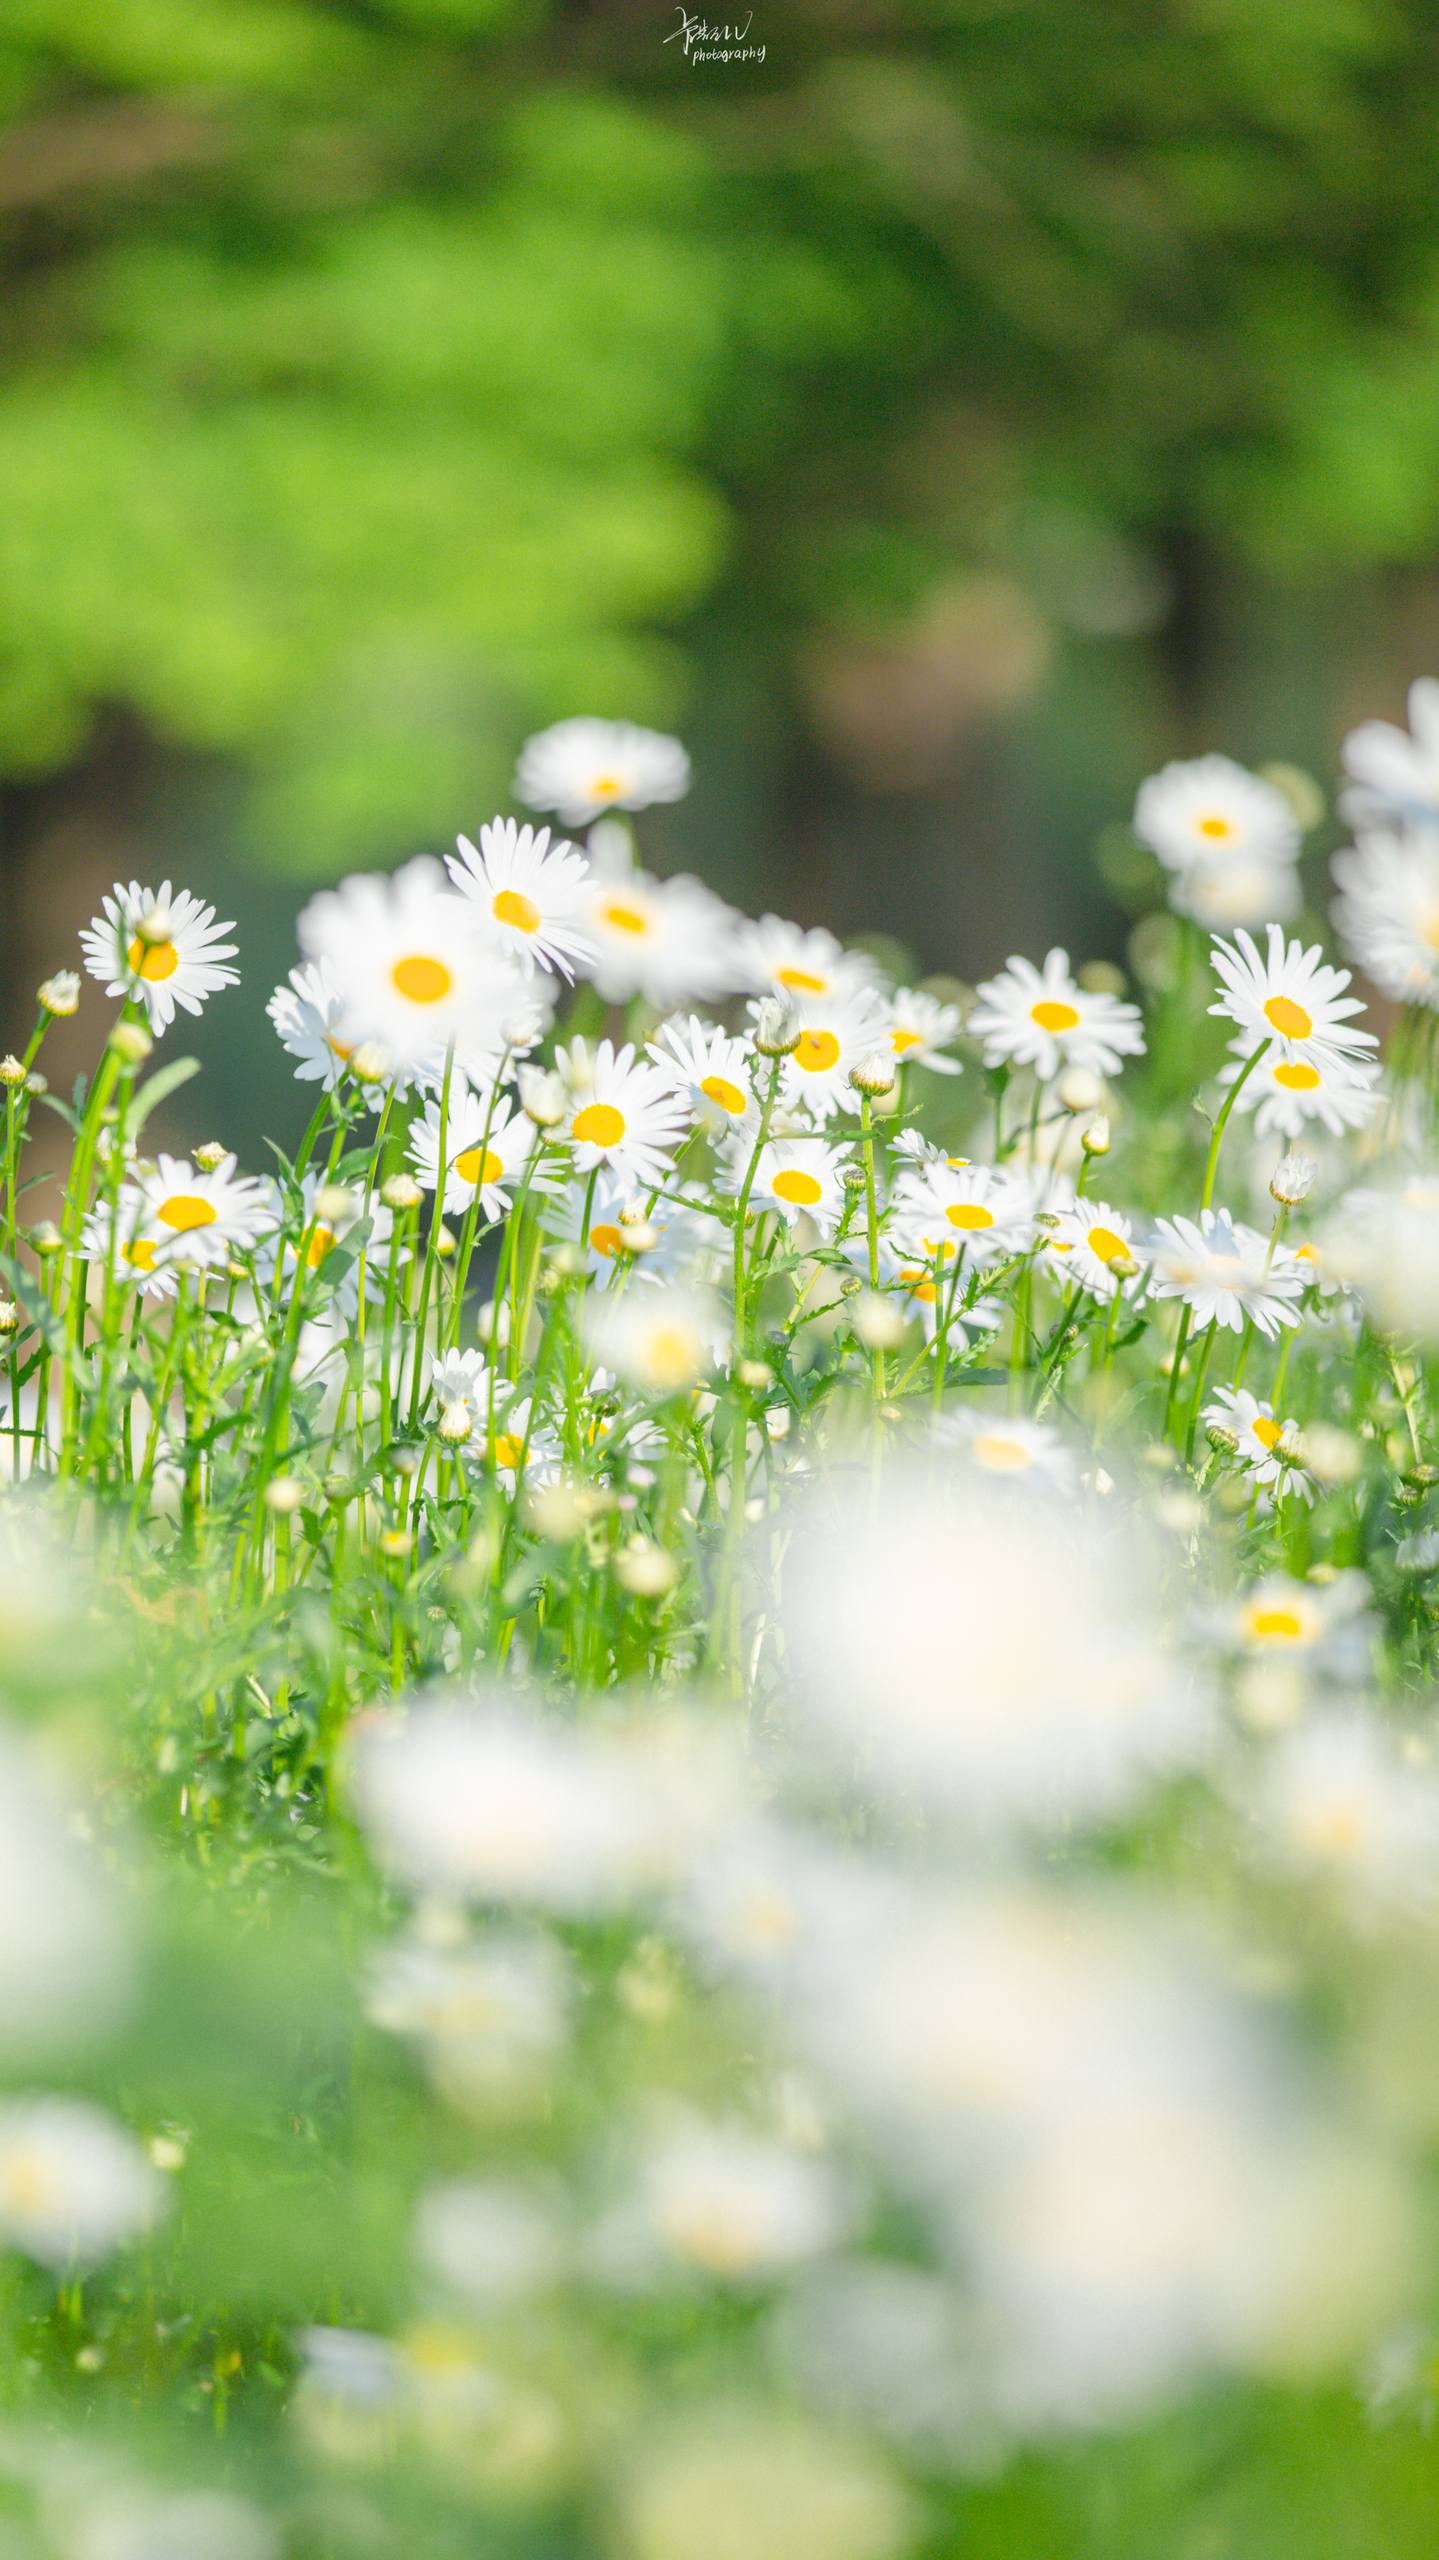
(384, 377)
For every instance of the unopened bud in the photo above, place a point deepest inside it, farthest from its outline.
(1079, 1089)
(1292, 1179)
(334, 1203)
(400, 1191)
(1221, 1439)
(131, 1043)
(9, 1316)
(46, 1239)
(776, 1027)
(1095, 1138)
(456, 1424)
(754, 1374)
(36, 1083)
(1101, 978)
(853, 1177)
(444, 1244)
(211, 1156)
(11, 1071)
(395, 1543)
(542, 1096)
(154, 926)
(645, 1570)
(60, 995)
(878, 1323)
(874, 1072)
(284, 1494)
(777, 1422)
(369, 1064)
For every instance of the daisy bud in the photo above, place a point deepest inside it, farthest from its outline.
(46, 1239)
(1101, 978)
(401, 1191)
(1095, 1139)
(1292, 1179)
(9, 1316)
(334, 1203)
(640, 1236)
(777, 1027)
(853, 1177)
(645, 1570)
(36, 1083)
(754, 1373)
(542, 1096)
(60, 995)
(131, 1043)
(154, 926)
(1289, 1452)
(1422, 1477)
(1123, 1266)
(444, 1244)
(369, 1063)
(1079, 1089)
(11, 1071)
(284, 1494)
(211, 1156)
(1300, 789)
(1223, 1441)
(778, 1421)
(877, 1321)
(455, 1424)
(874, 1072)
(555, 1511)
(395, 1543)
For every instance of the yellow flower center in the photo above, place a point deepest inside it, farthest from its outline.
(1334, 1830)
(803, 982)
(1429, 928)
(920, 1285)
(340, 1051)
(624, 919)
(993, 1450)
(153, 959)
(816, 1051)
(507, 1448)
(140, 1254)
(899, 1041)
(606, 786)
(1296, 1077)
(672, 1356)
(969, 1215)
(727, 1095)
(27, 2182)
(800, 1189)
(606, 1240)
(1052, 1015)
(1216, 829)
(420, 978)
(1283, 1626)
(1267, 1430)
(599, 1125)
(1288, 1018)
(1108, 1246)
(184, 1210)
(511, 906)
(322, 1241)
(478, 1164)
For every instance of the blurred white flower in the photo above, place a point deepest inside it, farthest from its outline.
(74, 2185)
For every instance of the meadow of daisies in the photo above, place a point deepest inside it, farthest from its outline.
(719, 1830)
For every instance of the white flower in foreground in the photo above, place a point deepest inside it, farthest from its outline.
(1339, 1799)
(1220, 895)
(1387, 912)
(1044, 1019)
(836, 1034)
(526, 895)
(1281, 1618)
(464, 1387)
(582, 767)
(670, 941)
(662, 1340)
(1394, 773)
(1225, 1273)
(201, 1216)
(193, 2524)
(998, 1661)
(732, 2206)
(921, 1029)
(1097, 1245)
(495, 2242)
(306, 1014)
(64, 1955)
(1289, 997)
(776, 958)
(1286, 1094)
(709, 1068)
(411, 978)
(943, 1207)
(74, 2185)
(491, 2015)
(623, 1116)
(127, 1244)
(179, 958)
(798, 1177)
(1384, 1244)
(488, 1142)
(327, 1218)
(1269, 1448)
(1213, 810)
(1020, 1451)
(474, 1803)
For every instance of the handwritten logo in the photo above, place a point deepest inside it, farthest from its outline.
(705, 43)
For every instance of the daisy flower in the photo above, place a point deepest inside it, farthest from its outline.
(1387, 913)
(1262, 1437)
(623, 1115)
(74, 2185)
(517, 1445)
(669, 941)
(798, 1177)
(177, 959)
(949, 1206)
(709, 1068)
(1280, 1616)
(582, 767)
(1005, 1445)
(1213, 810)
(674, 1234)
(306, 1015)
(662, 1340)
(411, 977)
(320, 1235)
(526, 895)
(835, 1033)
(1290, 997)
(1044, 1019)
(932, 1296)
(464, 1387)
(1285, 1094)
(1394, 773)
(488, 1141)
(129, 1245)
(201, 1217)
(921, 1029)
(1338, 1799)
(1219, 1269)
(1221, 895)
(1093, 1239)
(783, 959)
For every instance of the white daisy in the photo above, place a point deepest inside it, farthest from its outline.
(178, 959)
(1269, 1448)
(1394, 773)
(1286, 1093)
(662, 1341)
(1225, 1273)
(947, 1207)
(582, 767)
(1387, 913)
(412, 980)
(133, 1256)
(934, 1294)
(320, 1234)
(1280, 1617)
(515, 1445)
(835, 1033)
(74, 2185)
(201, 1216)
(526, 895)
(798, 1177)
(1214, 810)
(488, 1141)
(1044, 1019)
(670, 941)
(1094, 1239)
(306, 1015)
(921, 1029)
(1339, 1800)
(710, 1068)
(675, 1237)
(1023, 1452)
(728, 2205)
(1221, 895)
(464, 1388)
(1290, 997)
(623, 1115)
(777, 958)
